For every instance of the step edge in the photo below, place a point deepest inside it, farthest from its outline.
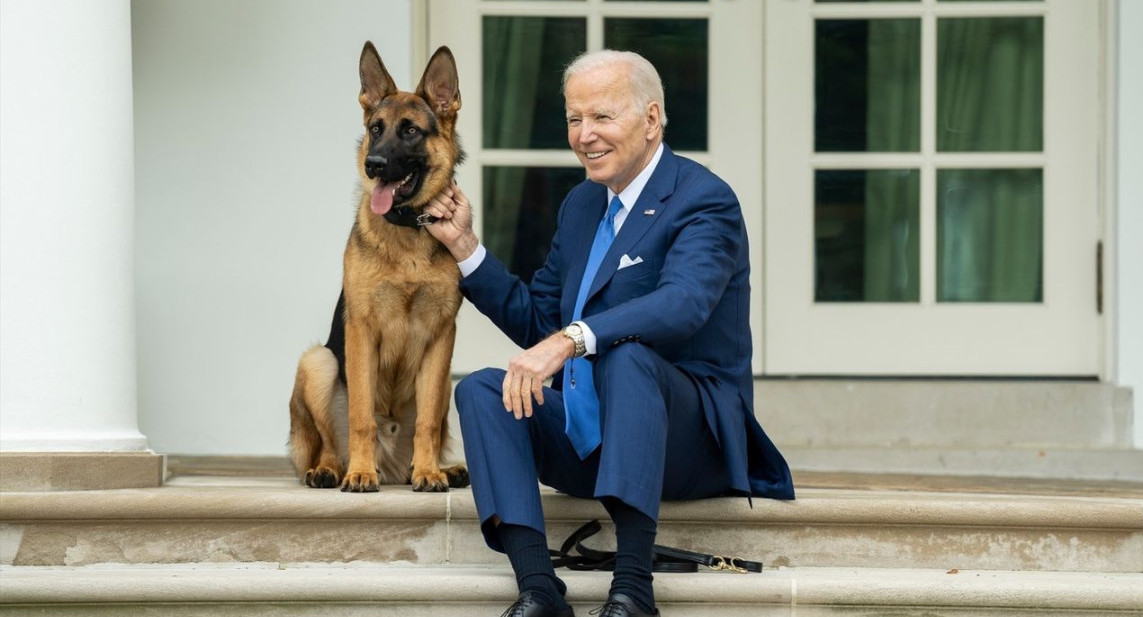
(817, 506)
(803, 586)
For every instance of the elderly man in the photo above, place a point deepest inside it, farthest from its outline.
(641, 315)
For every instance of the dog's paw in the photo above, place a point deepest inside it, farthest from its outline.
(457, 476)
(322, 477)
(361, 482)
(430, 482)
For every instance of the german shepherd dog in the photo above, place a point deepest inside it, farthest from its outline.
(370, 406)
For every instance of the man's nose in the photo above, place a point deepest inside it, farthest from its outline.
(586, 132)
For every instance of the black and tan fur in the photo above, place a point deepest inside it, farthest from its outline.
(370, 407)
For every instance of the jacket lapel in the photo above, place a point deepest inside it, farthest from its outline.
(655, 197)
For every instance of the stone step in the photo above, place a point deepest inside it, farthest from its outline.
(953, 414)
(451, 591)
(1044, 463)
(275, 520)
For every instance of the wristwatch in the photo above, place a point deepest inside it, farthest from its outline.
(575, 333)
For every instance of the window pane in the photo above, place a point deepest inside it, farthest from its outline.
(678, 48)
(520, 207)
(524, 60)
(867, 89)
(990, 235)
(866, 235)
(990, 84)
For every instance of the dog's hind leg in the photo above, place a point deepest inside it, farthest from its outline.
(457, 474)
(313, 426)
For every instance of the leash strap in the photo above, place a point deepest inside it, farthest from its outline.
(666, 558)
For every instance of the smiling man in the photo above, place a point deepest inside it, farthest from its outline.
(640, 315)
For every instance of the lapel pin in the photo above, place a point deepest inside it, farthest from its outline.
(648, 212)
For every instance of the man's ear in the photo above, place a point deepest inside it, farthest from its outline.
(653, 116)
(440, 85)
(376, 84)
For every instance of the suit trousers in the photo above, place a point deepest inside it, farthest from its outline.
(656, 443)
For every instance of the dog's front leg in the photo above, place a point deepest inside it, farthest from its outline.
(433, 388)
(361, 377)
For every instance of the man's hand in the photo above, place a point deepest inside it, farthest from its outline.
(528, 371)
(454, 229)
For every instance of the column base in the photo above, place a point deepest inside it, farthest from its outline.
(80, 471)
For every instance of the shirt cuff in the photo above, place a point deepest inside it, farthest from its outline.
(468, 266)
(588, 338)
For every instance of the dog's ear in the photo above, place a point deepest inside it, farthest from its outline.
(440, 85)
(376, 84)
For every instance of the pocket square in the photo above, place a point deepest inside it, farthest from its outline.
(627, 262)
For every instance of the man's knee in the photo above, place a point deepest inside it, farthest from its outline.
(473, 392)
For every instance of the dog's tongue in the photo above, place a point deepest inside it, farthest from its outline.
(382, 199)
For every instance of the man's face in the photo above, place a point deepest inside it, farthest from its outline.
(611, 135)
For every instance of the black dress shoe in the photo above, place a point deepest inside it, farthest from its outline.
(620, 605)
(526, 606)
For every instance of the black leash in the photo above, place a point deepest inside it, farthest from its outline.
(666, 558)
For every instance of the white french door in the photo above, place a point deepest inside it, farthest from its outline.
(932, 195)
(920, 178)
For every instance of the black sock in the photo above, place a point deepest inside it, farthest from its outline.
(634, 539)
(528, 552)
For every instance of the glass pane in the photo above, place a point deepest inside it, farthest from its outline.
(867, 85)
(524, 60)
(990, 84)
(866, 235)
(679, 49)
(520, 207)
(990, 235)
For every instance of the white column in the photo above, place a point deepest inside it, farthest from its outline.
(67, 302)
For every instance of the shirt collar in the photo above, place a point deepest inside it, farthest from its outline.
(631, 194)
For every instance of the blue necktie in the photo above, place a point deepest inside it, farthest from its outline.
(581, 405)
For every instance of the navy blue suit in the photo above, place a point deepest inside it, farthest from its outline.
(672, 365)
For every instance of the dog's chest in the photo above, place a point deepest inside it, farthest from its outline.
(409, 293)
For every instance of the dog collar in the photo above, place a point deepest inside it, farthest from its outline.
(406, 216)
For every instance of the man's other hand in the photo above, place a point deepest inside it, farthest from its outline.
(528, 371)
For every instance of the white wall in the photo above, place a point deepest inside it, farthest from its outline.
(246, 121)
(1130, 205)
(67, 318)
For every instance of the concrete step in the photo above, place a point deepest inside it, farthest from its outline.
(274, 520)
(1044, 463)
(449, 591)
(953, 414)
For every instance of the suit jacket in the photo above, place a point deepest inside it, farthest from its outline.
(689, 300)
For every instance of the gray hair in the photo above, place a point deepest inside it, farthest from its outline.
(646, 86)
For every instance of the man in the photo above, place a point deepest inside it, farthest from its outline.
(646, 291)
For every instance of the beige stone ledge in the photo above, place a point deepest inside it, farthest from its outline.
(79, 471)
(779, 590)
(285, 499)
(245, 520)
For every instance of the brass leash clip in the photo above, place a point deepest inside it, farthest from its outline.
(726, 563)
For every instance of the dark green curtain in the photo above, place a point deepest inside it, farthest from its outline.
(990, 99)
(892, 206)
